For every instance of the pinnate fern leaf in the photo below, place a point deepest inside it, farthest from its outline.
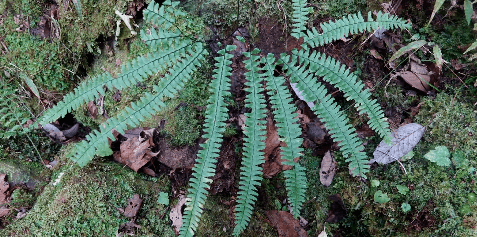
(288, 130)
(251, 171)
(12, 114)
(214, 126)
(329, 112)
(332, 71)
(355, 23)
(300, 18)
(97, 141)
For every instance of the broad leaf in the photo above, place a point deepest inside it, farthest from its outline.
(403, 140)
(472, 46)
(381, 197)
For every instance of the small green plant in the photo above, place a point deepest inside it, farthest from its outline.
(405, 207)
(440, 155)
(381, 197)
(182, 53)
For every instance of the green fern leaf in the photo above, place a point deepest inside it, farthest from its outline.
(251, 171)
(288, 130)
(338, 75)
(132, 73)
(355, 23)
(300, 18)
(214, 126)
(329, 112)
(97, 141)
(165, 15)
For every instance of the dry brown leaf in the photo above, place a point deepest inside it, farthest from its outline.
(415, 81)
(92, 109)
(375, 54)
(273, 162)
(419, 68)
(303, 117)
(176, 214)
(134, 204)
(286, 225)
(4, 185)
(136, 151)
(328, 169)
(4, 211)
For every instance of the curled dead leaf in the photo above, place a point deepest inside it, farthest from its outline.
(286, 225)
(134, 203)
(418, 81)
(176, 214)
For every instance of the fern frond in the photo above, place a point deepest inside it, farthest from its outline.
(332, 71)
(214, 126)
(300, 18)
(161, 38)
(251, 171)
(164, 15)
(131, 73)
(97, 141)
(288, 130)
(355, 23)
(329, 112)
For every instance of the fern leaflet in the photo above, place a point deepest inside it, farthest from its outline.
(355, 23)
(214, 126)
(288, 130)
(337, 74)
(300, 12)
(251, 171)
(330, 113)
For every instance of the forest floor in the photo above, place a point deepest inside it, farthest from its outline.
(46, 194)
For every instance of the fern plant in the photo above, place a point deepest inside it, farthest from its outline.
(12, 114)
(173, 49)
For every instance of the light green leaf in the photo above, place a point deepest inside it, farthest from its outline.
(375, 183)
(381, 197)
(472, 46)
(30, 85)
(438, 56)
(163, 198)
(440, 156)
(437, 6)
(405, 207)
(407, 48)
(402, 189)
(468, 11)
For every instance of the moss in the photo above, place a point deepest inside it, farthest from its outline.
(85, 202)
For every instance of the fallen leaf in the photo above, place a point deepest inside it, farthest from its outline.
(438, 57)
(31, 85)
(437, 6)
(328, 169)
(419, 68)
(4, 185)
(417, 81)
(176, 214)
(304, 119)
(134, 204)
(403, 141)
(286, 225)
(375, 54)
(4, 211)
(92, 109)
(128, 228)
(136, 151)
(273, 162)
